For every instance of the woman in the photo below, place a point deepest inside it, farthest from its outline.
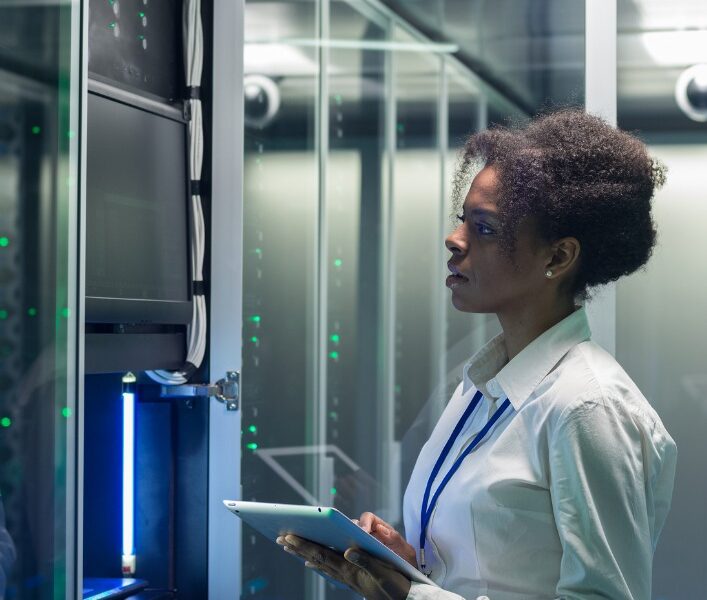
(548, 474)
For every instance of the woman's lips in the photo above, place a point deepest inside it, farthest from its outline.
(455, 280)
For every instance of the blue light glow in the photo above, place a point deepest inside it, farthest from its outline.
(128, 472)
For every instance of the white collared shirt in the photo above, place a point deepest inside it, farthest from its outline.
(567, 494)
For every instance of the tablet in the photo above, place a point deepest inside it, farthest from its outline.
(323, 525)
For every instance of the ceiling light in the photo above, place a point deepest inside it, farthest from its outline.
(691, 92)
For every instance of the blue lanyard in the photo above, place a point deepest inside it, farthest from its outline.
(427, 509)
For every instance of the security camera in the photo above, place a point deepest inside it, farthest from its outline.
(691, 92)
(262, 100)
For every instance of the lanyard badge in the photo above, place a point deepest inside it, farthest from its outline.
(427, 504)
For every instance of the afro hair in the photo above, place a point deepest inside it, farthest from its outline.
(575, 176)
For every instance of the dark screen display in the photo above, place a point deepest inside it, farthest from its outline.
(136, 204)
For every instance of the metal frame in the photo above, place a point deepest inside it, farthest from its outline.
(224, 531)
(386, 394)
(76, 302)
(314, 585)
(600, 99)
(321, 247)
(442, 301)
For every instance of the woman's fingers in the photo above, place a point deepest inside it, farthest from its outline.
(377, 527)
(309, 550)
(391, 583)
(320, 557)
(366, 575)
(368, 522)
(365, 521)
(386, 534)
(375, 520)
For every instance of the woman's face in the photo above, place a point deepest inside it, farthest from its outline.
(483, 279)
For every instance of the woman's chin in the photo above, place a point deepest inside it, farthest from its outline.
(466, 304)
(462, 304)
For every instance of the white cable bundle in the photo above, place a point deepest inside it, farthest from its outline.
(193, 60)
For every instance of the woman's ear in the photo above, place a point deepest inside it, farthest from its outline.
(564, 256)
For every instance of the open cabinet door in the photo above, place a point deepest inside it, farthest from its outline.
(226, 294)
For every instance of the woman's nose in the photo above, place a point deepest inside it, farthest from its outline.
(454, 244)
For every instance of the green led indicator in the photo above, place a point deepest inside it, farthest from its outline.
(334, 355)
(4, 242)
(335, 338)
(66, 412)
(255, 318)
(5, 422)
(141, 37)
(252, 446)
(338, 262)
(32, 312)
(112, 25)
(258, 251)
(3, 314)
(36, 130)
(333, 491)
(141, 15)
(71, 133)
(253, 429)
(254, 339)
(338, 99)
(65, 312)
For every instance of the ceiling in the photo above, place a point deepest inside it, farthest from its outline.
(657, 40)
(530, 51)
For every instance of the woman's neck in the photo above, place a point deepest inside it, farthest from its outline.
(520, 327)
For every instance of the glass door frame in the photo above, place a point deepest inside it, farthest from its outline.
(600, 99)
(224, 530)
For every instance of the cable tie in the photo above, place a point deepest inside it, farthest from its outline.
(188, 369)
(198, 287)
(195, 187)
(193, 92)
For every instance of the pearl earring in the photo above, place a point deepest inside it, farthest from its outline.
(548, 273)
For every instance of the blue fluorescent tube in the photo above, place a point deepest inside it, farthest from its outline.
(128, 473)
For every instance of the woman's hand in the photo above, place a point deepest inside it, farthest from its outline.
(387, 534)
(371, 578)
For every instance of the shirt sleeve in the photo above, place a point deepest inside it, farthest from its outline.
(604, 465)
(423, 591)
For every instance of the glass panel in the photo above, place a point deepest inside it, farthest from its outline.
(417, 249)
(660, 328)
(354, 199)
(352, 348)
(280, 270)
(349, 471)
(660, 342)
(39, 71)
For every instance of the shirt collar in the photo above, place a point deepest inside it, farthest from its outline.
(490, 371)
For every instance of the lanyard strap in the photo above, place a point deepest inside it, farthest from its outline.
(426, 513)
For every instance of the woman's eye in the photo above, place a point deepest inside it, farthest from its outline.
(484, 229)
